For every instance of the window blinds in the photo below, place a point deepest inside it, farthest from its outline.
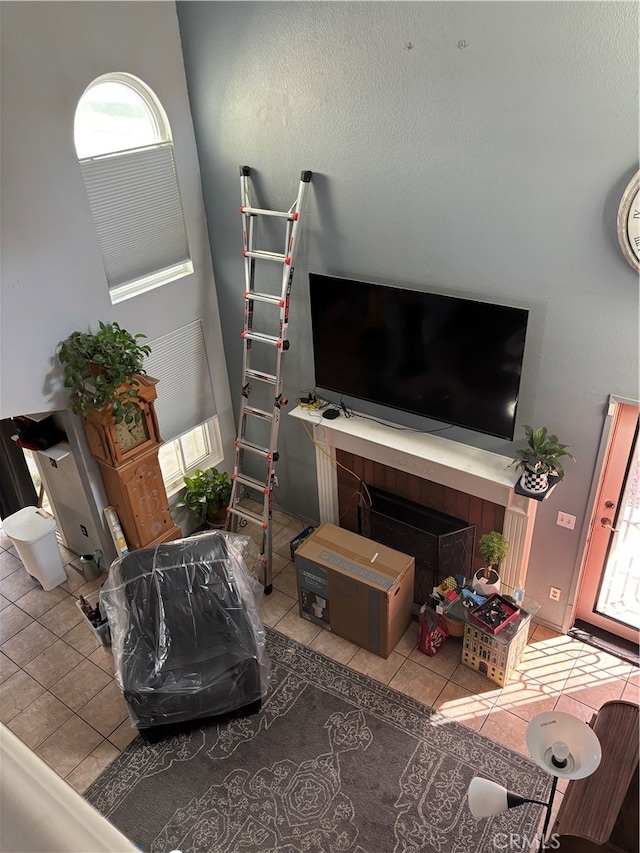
(179, 362)
(136, 207)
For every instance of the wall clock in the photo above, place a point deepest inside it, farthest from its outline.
(114, 443)
(128, 458)
(629, 222)
(130, 436)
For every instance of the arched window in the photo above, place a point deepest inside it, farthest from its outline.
(124, 147)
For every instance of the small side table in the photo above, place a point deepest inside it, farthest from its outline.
(495, 656)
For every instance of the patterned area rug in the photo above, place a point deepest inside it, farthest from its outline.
(334, 762)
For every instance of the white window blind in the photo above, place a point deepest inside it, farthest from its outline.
(185, 394)
(136, 207)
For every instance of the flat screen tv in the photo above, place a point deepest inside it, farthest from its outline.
(450, 359)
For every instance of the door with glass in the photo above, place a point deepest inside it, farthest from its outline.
(609, 596)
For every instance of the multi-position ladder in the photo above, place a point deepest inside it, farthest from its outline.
(256, 453)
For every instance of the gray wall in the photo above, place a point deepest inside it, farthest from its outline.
(53, 281)
(476, 149)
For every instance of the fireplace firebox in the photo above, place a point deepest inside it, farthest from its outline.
(442, 545)
(414, 464)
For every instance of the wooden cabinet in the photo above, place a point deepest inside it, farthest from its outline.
(137, 492)
(601, 811)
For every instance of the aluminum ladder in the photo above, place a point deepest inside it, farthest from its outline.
(256, 445)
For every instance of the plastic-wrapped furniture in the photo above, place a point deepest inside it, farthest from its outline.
(186, 634)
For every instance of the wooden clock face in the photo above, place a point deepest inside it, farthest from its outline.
(130, 436)
(629, 222)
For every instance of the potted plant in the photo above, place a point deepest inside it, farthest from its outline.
(540, 459)
(493, 548)
(101, 369)
(207, 494)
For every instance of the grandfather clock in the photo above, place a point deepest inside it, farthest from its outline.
(128, 458)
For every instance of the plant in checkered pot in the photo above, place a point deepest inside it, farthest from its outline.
(540, 459)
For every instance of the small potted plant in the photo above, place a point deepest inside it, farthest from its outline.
(101, 369)
(493, 548)
(207, 495)
(540, 459)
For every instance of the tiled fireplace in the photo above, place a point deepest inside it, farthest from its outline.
(459, 480)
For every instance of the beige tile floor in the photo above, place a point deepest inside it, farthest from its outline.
(57, 691)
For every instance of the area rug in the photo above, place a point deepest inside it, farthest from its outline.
(334, 761)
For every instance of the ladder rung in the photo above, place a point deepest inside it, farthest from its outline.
(273, 340)
(245, 513)
(254, 448)
(257, 211)
(250, 483)
(261, 377)
(270, 298)
(267, 256)
(257, 413)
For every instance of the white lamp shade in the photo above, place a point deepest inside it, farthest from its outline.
(486, 798)
(556, 734)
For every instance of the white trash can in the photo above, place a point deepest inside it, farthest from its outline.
(33, 532)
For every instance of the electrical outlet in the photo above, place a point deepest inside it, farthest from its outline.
(554, 593)
(566, 520)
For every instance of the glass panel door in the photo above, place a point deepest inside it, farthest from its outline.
(608, 597)
(619, 595)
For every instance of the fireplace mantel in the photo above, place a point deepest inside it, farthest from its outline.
(468, 469)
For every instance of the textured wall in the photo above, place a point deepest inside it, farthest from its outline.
(477, 149)
(53, 280)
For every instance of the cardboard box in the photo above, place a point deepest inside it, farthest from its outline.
(354, 587)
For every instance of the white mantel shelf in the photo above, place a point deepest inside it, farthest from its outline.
(480, 472)
(468, 469)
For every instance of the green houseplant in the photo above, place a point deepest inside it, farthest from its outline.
(540, 458)
(207, 495)
(493, 549)
(101, 369)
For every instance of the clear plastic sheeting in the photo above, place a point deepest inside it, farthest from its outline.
(187, 637)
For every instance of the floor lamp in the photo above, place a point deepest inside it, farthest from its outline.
(563, 745)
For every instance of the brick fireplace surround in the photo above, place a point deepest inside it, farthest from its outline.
(469, 483)
(484, 514)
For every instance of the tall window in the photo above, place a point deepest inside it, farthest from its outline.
(201, 447)
(185, 406)
(123, 142)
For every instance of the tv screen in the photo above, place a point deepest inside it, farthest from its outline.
(450, 359)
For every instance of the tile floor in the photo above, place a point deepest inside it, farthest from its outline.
(57, 692)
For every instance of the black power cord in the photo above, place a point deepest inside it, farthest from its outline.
(348, 413)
